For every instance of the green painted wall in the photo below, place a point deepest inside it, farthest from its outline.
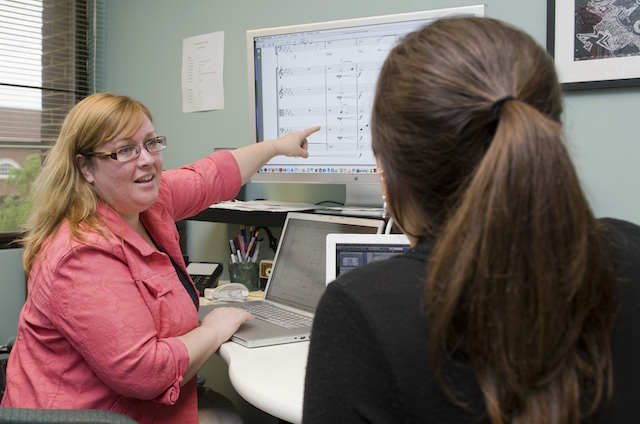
(144, 51)
(12, 292)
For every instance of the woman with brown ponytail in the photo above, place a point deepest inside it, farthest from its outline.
(515, 304)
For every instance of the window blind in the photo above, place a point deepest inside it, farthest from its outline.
(51, 56)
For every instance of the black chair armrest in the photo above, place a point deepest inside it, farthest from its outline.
(61, 416)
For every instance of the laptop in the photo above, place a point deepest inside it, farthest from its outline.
(297, 279)
(346, 252)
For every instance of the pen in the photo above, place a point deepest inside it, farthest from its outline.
(252, 244)
(254, 257)
(244, 235)
(235, 250)
(252, 233)
(241, 246)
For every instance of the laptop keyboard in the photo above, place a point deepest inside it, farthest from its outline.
(277, 316)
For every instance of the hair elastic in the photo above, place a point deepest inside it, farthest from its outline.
(497, 105)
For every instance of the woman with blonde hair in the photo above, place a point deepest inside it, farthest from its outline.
(111, 318)
(515, 304)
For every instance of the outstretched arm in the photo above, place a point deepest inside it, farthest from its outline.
(253, 157)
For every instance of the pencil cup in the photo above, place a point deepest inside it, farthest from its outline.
(244, 273)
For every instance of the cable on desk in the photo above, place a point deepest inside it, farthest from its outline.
(273, 242)
(387, 228)
(330, 201)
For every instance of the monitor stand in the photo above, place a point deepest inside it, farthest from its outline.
(360, 196)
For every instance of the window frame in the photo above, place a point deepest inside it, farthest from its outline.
(82, 22)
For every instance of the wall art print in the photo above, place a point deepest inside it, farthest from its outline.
(595, 43)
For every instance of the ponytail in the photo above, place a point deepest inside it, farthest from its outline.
(519, 286)
(518, 282)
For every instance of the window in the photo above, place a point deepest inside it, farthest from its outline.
(6, 165)
(51, 56)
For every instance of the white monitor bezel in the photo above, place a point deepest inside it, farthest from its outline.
(315, 178)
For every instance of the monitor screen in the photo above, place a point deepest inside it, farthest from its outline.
(325, 74)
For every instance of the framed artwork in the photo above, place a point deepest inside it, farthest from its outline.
(595, 43)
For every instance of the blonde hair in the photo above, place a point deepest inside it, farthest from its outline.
(519, 284)
(60, 191)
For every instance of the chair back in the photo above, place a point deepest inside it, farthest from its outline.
(52, 416)
(61, 416)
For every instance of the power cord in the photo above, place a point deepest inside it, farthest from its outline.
(387, 229)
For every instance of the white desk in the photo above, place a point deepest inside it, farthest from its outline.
(270, 378)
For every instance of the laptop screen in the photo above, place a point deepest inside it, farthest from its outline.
(346, 252)
(298, 273)
(351, 256)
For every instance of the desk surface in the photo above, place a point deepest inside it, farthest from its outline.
(270, 378)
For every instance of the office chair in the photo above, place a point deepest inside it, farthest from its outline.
(4, 349)
(52, 416)
(61, 416)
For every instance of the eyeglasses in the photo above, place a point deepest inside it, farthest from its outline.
(127, 153)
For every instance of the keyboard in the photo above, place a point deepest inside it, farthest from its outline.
(198, 279)
(276, 316)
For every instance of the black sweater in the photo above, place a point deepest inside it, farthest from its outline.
(369, 356)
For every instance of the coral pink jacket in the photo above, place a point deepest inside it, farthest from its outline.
(98, 330)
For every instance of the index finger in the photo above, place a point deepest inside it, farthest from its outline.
(306, 133)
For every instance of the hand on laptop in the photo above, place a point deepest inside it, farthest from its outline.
(216, 328)
(226, 321)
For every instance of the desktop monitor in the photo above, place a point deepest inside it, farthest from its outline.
(325, 74)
